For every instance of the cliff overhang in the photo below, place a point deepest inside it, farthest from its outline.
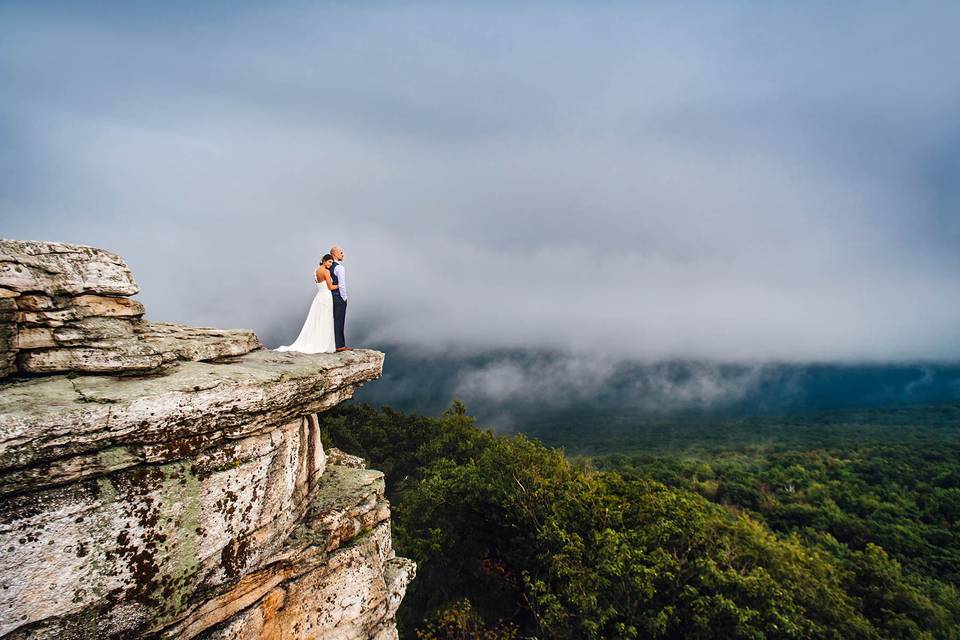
(162, 481)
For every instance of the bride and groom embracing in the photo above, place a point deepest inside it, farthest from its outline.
(322, 331)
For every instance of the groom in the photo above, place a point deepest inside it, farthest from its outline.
(339, 299)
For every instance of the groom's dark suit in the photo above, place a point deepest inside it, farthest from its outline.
(339, 310)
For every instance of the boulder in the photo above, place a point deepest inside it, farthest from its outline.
(62, 309)
(55, 268)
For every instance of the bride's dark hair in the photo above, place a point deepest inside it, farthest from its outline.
(325, 258)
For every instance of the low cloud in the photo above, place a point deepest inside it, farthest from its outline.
(698, 182)
(537, 379)
(556, 390)
(559, 382)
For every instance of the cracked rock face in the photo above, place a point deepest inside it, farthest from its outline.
(56, 429)
(195, 502)
(340, 577)
(63, 269)
(64, 308)
(9, 338)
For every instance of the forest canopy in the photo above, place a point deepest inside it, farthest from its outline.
(854, 538)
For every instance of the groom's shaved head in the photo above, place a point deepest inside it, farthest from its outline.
(334, 249)
(336, 252)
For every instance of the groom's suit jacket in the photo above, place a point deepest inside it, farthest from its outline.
(340, 279)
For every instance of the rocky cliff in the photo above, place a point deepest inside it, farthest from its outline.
(161, 481)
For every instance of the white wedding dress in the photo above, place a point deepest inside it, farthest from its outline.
(316, 336)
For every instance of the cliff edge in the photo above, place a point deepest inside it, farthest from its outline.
(162, 481)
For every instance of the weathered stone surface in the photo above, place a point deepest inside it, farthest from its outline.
(356, 601)
(53, 429)
(398, 573)
(78, 292)
(8, 310)
(192, 500)
(96, 332)
(9, 336)
(42, 309)
(163, 538)
(107, 306)
(180, 342)
(47, 317)
(343, 459)
(359, 499)
(341, 556)
(124, 357)
(63, 340)
(194, 504)
(35, 302)
(152, 536)
(55, 268)
(8, 363)
(39, 308)
(35, 338)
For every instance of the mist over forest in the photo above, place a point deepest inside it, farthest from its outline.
(510, 390)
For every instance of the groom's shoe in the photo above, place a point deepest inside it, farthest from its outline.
(344, 349)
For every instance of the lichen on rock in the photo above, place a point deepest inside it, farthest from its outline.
(197, 501)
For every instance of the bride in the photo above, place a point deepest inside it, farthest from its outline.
(316, 336)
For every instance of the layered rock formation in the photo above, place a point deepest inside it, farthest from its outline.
(65, 308)
(194, 502)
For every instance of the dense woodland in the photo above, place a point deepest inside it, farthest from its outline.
(841, 526)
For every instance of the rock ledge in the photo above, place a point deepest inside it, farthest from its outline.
(194, 502)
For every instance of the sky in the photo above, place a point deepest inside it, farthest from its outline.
(744, 182)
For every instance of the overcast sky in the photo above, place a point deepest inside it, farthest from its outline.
(749, 181)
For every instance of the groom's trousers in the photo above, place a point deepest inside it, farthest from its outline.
(339, 319)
